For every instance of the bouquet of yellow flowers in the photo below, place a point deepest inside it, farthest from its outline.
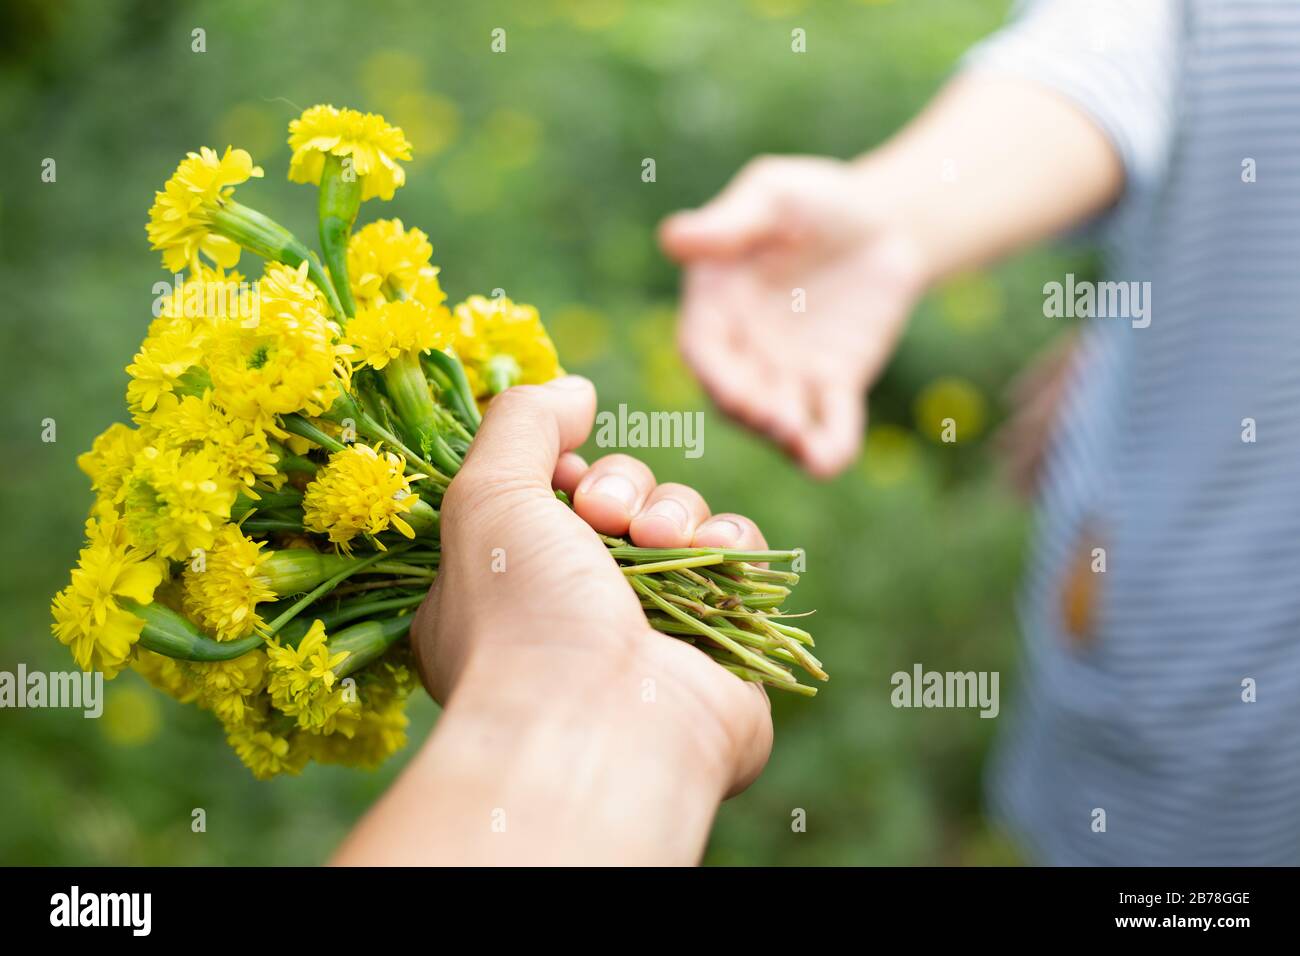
(264, 529)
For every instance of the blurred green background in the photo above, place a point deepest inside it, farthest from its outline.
(527, 176)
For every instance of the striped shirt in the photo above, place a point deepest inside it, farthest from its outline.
(1151, 721)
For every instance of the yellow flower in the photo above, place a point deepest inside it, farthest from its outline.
(384, 257)
(244, 454)
(380, 334)
(229, 688)
(950, 410)
(265, 753)
(176, 501)
(167, 674)
(372, 736)
(207, 294)
(241, 450)
(289, 361)
(503, 344)
(180, 220)
(360, 491)
(88, 614)
(186, 421)
(131, 717)
(891, 454)
(111, 457)
(223, 596)
(173, 346)
(369, 733)
(373, 145)
(302, 681)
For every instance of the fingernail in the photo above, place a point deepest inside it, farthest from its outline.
(724, 528)
(618, 488)
(671, 509)
(569, 381)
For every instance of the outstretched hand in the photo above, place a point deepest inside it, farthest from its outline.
(793, 295)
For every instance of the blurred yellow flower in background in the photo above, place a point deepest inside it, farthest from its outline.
(971, 301)
(950, 410)
(891, 455)
(431, 122)
(394, 81)
(131, 717)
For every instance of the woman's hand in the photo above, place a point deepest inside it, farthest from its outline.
(568, 721)
(794, 291)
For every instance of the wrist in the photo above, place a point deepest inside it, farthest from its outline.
(617, 681)
(568, 748)
(893, 203)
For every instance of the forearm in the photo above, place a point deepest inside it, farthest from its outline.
(991, 165)
(582, 771)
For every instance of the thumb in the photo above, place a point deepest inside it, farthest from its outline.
(526, 429)
(738, 219)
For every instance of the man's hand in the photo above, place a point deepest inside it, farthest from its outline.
(588, 736)
(794, 293)
(525, 576)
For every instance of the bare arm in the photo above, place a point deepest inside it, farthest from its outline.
(593, 776)
(993, 164)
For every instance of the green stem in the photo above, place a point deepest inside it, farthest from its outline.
(397, 567)
(263, 236)
(301, 427)
(749, 674)
(621, 551)
(459, 395)
(367, 641)
(345, 407)
(747, 656)
(324, 588)
(340, 198)
(409, 390)
(168, 633)
(292, 463)
(295, 631)
(655, 567)
(266, 501)
(501, 373)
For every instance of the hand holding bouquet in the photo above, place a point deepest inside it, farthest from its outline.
(264, 529)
